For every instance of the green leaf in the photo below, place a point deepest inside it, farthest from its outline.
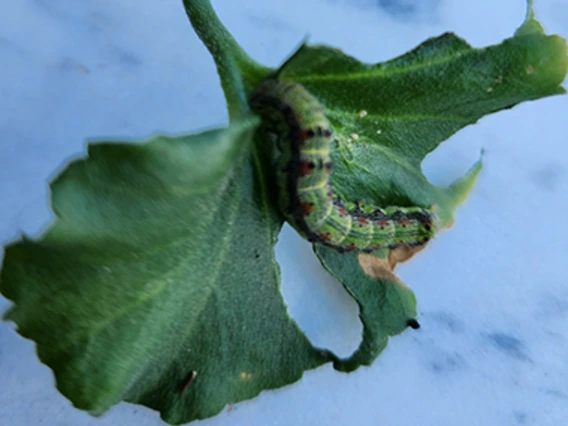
(160, 263)
(386, 304)
(387, 117)
(420, 99)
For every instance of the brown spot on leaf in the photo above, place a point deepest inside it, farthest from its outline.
(383, 267)
(402, 253)
(245, 375)
(379, 268)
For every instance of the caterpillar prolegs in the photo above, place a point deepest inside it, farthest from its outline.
(303, 136)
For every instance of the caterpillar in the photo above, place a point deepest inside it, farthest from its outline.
(303, 137)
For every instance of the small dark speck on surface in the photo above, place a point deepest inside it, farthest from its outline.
(398, 7)
(447, 320)
(98, 23)
(48, 7)
(124, 57)
(407, 8)
(552, 306)
(520, 418)
(447, 364)
(555, 393)
(509, 345)
(267, 21)
(548, 177)
(402, 10)
(68, 65)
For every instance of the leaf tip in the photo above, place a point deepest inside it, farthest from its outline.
(299, 48)
(413, 323)
(530, 24)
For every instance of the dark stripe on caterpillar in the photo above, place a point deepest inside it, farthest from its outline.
(303, 136)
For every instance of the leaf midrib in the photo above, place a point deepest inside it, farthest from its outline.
(397, 117)
(385, 71)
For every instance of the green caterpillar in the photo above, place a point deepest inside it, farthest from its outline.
(303, 136)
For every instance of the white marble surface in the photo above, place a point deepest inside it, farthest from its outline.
(492, 292)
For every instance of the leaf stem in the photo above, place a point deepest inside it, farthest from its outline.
(237, 71)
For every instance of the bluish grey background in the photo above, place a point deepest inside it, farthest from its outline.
(492, 292)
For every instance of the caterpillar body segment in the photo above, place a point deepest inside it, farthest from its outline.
(303, 136)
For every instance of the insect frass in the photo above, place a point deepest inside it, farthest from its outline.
(303, 136)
